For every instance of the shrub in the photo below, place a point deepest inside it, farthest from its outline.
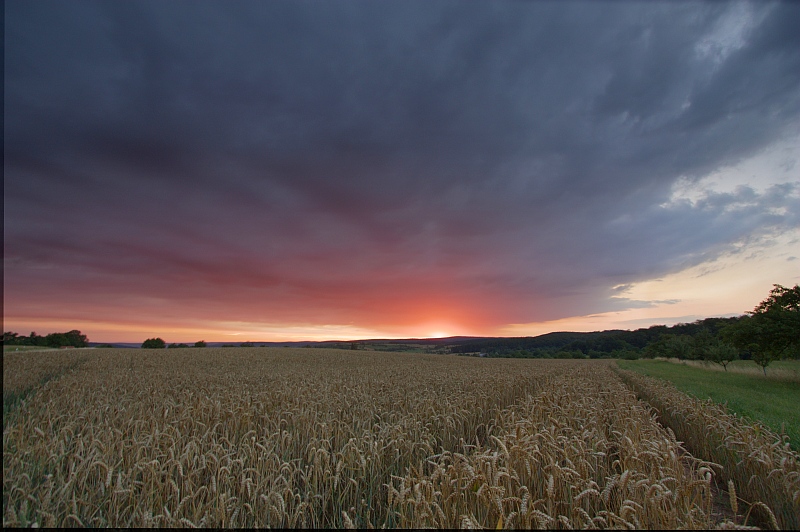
(154, 343)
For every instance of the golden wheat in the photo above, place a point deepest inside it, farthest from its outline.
(327, 438)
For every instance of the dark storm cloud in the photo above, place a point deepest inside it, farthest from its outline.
(513, 159)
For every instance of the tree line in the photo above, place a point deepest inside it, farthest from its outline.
(770, 332)
(72, 338)
(158, 343)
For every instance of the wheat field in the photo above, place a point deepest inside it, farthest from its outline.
(268, 437)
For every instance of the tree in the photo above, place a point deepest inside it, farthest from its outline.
(772, 330)
(73, 338)
(657, 348)
(35, 339)
(779, 315)
(702, 342)
(154, 343)
(780, 299)
(201, 343)
(680, 346)
(76, 339)
(56, 340)
(721, 353)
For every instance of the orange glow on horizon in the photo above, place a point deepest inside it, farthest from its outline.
(730, 285)
(227, 332)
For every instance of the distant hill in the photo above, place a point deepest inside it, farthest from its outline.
(598, 344)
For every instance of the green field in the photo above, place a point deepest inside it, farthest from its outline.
(772, 400)
(786, 370)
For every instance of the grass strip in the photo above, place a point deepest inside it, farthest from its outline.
(771, 402)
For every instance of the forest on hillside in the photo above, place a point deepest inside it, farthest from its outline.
(658, 340)
(771, 331)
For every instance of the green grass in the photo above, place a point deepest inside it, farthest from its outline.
(773, 402)
(778, 370)
(786, 365)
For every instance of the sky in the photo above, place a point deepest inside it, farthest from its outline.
(339, 170)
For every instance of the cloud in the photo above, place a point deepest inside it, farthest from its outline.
(348, 163)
